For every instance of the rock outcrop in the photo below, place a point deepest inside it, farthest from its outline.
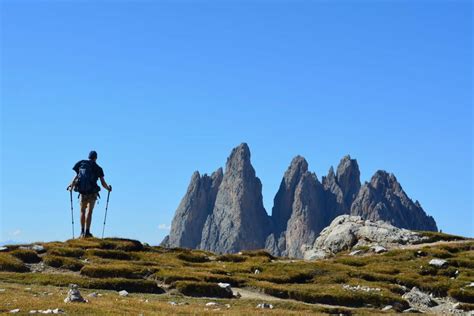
(195, 207)
(384, 199)
(239, 220)
(347, 232)
(224, 212)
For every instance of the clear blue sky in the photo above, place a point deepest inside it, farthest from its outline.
(161, 89)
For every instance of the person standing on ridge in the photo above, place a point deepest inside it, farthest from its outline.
(85, 182)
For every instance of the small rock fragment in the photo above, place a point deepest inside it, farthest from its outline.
(14, 311)
(387, 308)
(257, 271)
(438, 263)
(173, 303)
(93, 294)
(211, 304)
(379, 249)
(123, 293)
(265, 305)
(356, 253)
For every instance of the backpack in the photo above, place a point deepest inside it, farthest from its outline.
(86, 181)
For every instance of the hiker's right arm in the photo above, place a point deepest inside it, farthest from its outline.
(104, 184)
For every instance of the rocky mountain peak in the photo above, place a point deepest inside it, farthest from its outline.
(348, 179)
(283, 201)
(383, 198)
(238, 220)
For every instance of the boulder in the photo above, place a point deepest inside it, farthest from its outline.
(347, 232)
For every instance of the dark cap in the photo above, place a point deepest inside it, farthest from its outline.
(93, 155)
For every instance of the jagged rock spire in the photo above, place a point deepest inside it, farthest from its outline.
(239, 220)
(384, 199)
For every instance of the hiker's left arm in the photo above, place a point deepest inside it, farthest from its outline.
(104, 184)
(73, 182)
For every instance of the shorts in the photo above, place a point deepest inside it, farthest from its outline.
(88, 201)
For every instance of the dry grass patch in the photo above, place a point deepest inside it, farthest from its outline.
(26, 255)
(202, 289)
(110, 254)
(11, 264)
(63, 262)
(66, 252)
(117, 271)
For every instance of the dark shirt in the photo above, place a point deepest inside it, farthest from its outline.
(96, 169)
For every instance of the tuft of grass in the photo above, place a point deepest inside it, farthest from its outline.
(116, 271)
(202, 289)
(109, 254)
(11, 264)
(257, 253)
(66, 252)
(26, 255)
(465, 295)
(121, 244)
(63, 262)
(116, 284)
(436, 236)
(231, 258)
(193, 257)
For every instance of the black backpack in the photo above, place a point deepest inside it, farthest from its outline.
(86, 181)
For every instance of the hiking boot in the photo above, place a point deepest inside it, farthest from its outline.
(88, 235)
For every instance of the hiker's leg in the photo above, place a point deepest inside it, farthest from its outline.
(83, 213)
(90, 209)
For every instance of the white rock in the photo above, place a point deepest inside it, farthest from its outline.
(257, 271)
(346, 232)
(211, 304)
(379, 249)
(227, 305)
(58, 311)
(438, 263)
(93, 294)
(173, 303)
(356, 253)
(316, 254)
(48, 311)
(123, 293)
(33, 311)
(14, 311)
(419, 299)
(387, 308)
(37, 248)
(265, 305)
(470, 284)
(2, 290)
(74, 295)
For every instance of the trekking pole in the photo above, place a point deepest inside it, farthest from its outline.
(106, 207)
(72, 214)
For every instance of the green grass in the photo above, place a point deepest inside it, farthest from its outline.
(26, 255)
(116, 264)
(116, 271)
(202, 289)
(110, 254)
(12, 264)
(63, 262)
(67, 252)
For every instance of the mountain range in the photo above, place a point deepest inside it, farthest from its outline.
(223, 212)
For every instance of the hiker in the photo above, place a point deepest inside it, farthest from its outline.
(85, 182)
